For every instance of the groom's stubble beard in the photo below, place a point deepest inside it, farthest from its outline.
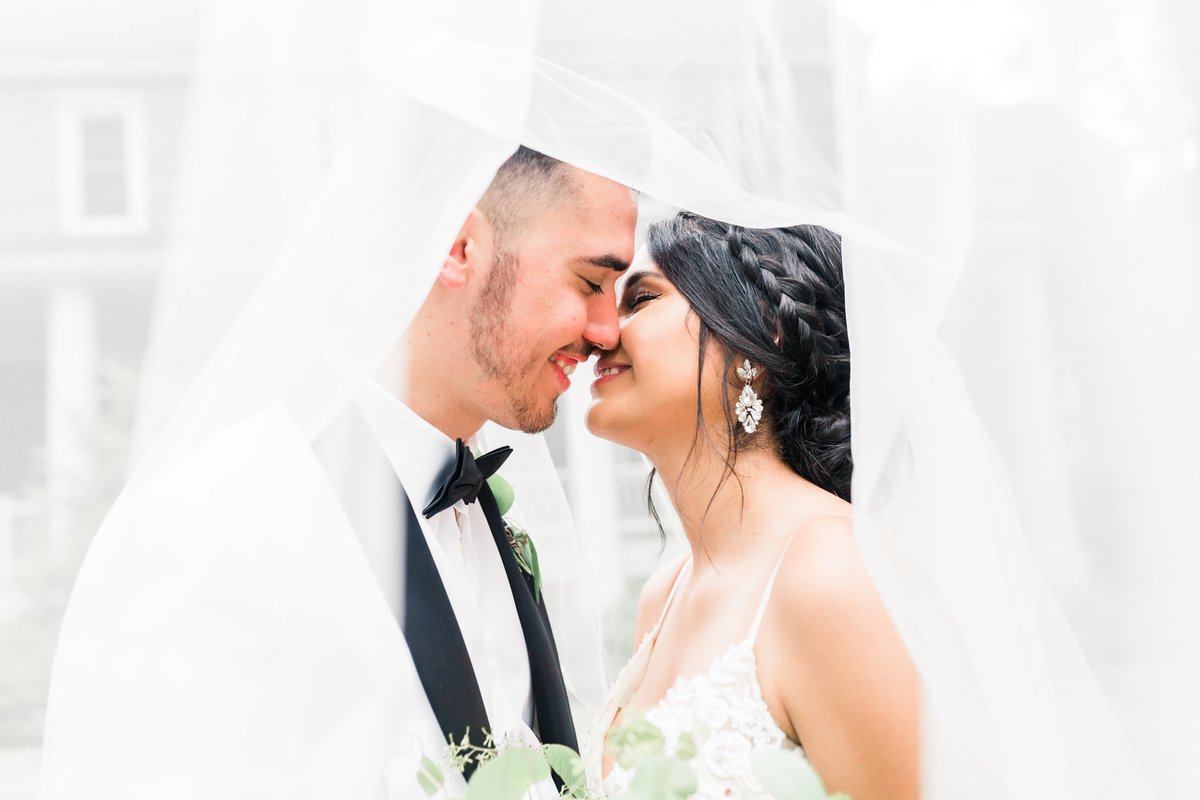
(496, 346)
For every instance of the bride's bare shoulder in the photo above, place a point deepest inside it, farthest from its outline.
(654, 595)
(841, 672)
(822, 570)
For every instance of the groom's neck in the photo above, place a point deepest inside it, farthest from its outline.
(418, 380)
(439, 415)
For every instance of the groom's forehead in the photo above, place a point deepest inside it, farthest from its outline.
(593, 193)
(602, 240)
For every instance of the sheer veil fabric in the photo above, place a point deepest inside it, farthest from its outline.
(227, 634)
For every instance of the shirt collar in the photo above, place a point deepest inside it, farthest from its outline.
(420, 454)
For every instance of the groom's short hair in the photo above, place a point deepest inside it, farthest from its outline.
(525, 183)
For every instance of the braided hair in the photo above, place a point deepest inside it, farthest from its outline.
(774, 296)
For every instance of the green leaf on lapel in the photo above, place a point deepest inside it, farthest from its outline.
(503, 492)
(535, 569)
(526, 555)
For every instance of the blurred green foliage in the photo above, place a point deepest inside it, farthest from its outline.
(45, 562)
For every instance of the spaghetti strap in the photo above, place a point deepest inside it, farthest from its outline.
(653, 632)
(762, 604)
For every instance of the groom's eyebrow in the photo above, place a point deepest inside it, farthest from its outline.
(608, 262)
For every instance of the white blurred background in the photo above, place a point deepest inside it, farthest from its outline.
(1051, 152)
(92, 105)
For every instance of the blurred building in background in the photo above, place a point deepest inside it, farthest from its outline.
(92, 103)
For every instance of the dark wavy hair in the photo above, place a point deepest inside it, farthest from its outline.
(774, 296)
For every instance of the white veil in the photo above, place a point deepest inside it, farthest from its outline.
(762, 115)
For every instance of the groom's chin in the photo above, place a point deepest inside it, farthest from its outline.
(531, 418)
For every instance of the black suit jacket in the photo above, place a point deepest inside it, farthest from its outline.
(440, 653)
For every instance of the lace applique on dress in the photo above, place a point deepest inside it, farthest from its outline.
(722, 709)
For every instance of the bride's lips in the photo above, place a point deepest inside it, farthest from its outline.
(607, 370)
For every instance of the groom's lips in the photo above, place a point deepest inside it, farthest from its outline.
(564, 364)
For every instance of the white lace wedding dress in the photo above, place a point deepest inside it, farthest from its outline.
(722, 709)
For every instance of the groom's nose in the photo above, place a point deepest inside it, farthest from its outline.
(603, 329)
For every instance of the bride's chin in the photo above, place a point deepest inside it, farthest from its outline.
(594, 423)
(600, 423)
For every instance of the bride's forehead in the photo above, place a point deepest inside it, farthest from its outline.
(641, 266)
(642, 260)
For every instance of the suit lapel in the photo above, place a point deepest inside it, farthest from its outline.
(549, 692)
(436, 643)
(440, 654)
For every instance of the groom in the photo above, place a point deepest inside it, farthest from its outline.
(525, 293)
(233, 643)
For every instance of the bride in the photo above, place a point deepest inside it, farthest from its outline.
(732, 375)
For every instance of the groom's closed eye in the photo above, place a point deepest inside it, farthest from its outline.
(607, 265)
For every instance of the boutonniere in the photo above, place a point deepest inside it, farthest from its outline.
(518, 538)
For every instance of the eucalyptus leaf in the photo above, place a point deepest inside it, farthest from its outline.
(567, 764)
(526, 555)
(662, 778)
(786, 775)
(508, 775)
(685, 746)
(502, 490)
(430, 776)
(634, 740)
(521, 551)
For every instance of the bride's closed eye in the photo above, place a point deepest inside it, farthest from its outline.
(632, 301)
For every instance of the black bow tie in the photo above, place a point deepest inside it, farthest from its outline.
(466, 480)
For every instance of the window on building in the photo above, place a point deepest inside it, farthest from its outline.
(102, 164)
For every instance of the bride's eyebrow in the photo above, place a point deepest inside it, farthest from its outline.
(637, 277)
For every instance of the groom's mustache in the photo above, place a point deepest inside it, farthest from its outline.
(584, 351)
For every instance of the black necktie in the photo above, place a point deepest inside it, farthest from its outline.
(465, 481)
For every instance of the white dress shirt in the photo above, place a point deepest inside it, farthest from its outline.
(466, 558)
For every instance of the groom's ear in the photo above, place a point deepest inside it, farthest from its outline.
(470, 251)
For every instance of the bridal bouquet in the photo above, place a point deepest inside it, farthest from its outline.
(506, 770)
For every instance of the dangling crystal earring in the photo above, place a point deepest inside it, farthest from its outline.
(749, 406)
